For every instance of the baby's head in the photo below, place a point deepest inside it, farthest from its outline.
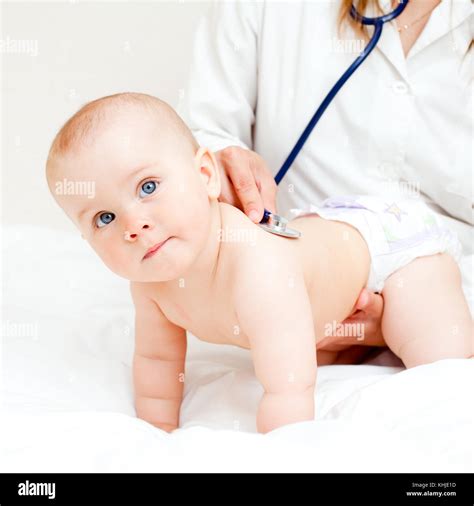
(151, 182)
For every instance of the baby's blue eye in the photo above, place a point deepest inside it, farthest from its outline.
(104, 219)
(148, 188)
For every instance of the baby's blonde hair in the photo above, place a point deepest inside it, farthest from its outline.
(80, 128)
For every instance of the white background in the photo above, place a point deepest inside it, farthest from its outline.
(85, 51)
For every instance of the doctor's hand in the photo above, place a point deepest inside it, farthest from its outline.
(367, 311)
(246, 181)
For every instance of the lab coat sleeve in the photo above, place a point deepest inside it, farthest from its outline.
(219, 102)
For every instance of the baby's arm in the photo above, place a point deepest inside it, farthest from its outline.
(158, 363)
(274, 311)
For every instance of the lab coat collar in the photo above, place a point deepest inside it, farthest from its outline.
(445, 17)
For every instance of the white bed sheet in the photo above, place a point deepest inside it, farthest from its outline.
(67, 400)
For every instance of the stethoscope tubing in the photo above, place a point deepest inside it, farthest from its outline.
(378, 23)
(327, 100)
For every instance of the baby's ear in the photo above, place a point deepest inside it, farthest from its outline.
(215, 189)
(209, 170)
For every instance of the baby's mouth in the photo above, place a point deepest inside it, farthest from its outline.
(154, 249)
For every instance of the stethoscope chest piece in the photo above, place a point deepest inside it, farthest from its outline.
(276, 224)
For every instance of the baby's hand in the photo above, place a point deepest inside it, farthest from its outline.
(274, 311)
(282, 408)
(165, 426)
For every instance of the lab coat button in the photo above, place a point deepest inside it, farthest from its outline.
(400, 87)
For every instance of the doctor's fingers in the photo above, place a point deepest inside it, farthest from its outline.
(365, 325)
(227, 194)
(236, 163)
(370, 303)
(266, 185)
(251, 181)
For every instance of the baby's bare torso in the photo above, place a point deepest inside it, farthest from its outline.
(335, 262)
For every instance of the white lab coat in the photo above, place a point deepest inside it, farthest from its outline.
(260, 69)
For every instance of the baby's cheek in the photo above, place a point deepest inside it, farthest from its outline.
(115, 260)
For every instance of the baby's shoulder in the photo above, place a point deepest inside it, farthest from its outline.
(248, 243)
(256, 259)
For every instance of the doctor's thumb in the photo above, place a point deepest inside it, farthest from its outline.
(370, 302)
(251, 201)
(255, 210)
(264, 198)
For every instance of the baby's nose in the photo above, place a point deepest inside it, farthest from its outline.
(131, 235)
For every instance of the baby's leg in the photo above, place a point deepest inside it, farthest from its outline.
(426, 317)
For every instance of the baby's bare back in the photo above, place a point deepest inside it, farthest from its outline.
(332, 257)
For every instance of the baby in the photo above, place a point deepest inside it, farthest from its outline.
(200, 265)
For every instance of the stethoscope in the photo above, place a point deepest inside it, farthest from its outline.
(275, 223)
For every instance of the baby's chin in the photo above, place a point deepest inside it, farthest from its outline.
(158, 275)
(149, 275)
(157, 270)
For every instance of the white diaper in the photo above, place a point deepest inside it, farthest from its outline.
(396, 232)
